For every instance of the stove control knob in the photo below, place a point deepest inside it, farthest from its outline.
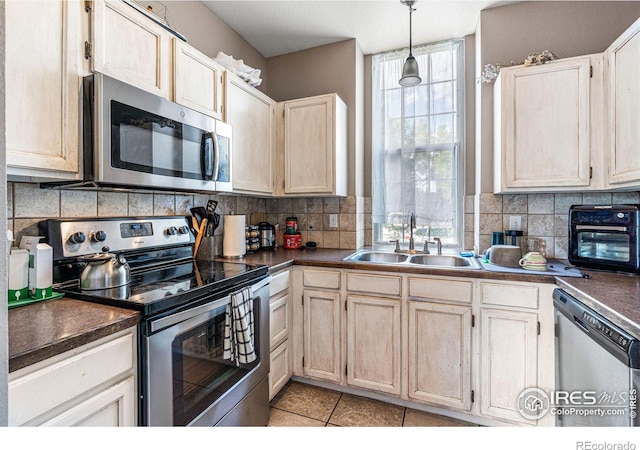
(183, 229)
(98, 236)
(171, 231)
(77, 238)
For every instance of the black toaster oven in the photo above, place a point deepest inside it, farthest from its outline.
(604, 237)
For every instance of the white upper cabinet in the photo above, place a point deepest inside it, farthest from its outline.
(315, 146)
(252, 116)
(547, 123)
(43, 61)
(622, 88)
(131, 47)
(198, 80)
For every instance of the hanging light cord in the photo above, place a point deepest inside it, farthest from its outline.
(411, 10)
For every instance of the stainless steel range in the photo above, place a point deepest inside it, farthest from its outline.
(185, 375)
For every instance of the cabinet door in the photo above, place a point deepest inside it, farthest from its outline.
(623, 106)
(315, 145)
(509, 361)
(440, 354)
(197, 80)
(43, 63)
(542, 136)
(131, 47)
(373, 343)
(280, 368)
(322, 357)
(252, 116)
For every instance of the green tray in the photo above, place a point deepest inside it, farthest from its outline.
(30, 300)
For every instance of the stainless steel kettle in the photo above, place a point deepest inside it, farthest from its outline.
(104, 271)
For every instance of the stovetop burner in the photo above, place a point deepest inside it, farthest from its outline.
(164, 275)
(163, 288)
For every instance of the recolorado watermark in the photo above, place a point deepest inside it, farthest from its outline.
(534, 403)
(589, 445)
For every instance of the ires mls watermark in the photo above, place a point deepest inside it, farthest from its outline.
(534, 403)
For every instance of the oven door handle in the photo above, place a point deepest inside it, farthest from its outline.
(600, 228)
(164, 322)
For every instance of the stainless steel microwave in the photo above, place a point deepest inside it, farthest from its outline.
(134, 138)
(605, 237)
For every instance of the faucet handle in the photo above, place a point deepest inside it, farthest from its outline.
(397, 242)
(412, 221)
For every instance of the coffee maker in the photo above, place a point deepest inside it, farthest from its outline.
(267, 235)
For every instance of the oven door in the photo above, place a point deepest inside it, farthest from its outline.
(188, 381)
(141, 139)
(603, 247)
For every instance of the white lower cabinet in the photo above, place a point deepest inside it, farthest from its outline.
(280, 363)
(509, 360)
(440, 354)
(516, 347)
(322, 335)
(467, 345)
(373, 343)
(92, 385)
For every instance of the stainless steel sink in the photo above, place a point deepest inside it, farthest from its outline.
(432, 261)
(378, 257)
(445, 261)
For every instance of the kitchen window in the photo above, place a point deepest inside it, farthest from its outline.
(417, 145)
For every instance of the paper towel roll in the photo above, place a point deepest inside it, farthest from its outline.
(233, 241)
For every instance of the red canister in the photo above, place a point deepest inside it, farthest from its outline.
(292, 241)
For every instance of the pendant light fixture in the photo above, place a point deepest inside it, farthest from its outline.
(410, 73)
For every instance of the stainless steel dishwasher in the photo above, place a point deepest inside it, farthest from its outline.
(597, 368)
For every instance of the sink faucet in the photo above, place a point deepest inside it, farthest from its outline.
(412, 225)
(435, 240)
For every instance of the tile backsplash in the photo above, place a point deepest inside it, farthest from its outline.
(543, 216)
(28, 204)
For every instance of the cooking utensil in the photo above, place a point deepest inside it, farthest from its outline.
(194, 225)
(214, 218)
(199, 212)
(203, 228)
(104, 271)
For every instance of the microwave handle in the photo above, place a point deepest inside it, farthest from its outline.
(207, 151)
(216, 156)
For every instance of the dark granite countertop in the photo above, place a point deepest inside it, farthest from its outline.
(614, 295)
(42, 330)
(45, 329)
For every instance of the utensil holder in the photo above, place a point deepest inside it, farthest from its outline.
(207, 250)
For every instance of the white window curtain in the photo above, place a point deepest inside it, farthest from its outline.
(416, 144)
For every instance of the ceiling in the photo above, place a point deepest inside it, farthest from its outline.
(276, 27)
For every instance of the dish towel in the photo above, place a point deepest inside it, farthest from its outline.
(238, 328)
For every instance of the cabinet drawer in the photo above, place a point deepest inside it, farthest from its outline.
(52, 385)
(279, 282)
(438, 289)
(516, 295)
(278, 320)
(374, 284)
(326, 279)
